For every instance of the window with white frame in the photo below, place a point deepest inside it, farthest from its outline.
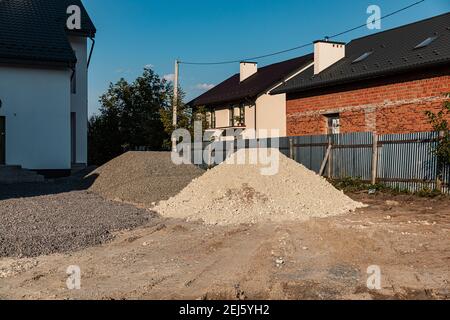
(231, 116)
(212, 121)
(333, 123)
(241, 115)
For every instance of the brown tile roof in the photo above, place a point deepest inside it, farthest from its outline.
(232, 90)
(391, 51)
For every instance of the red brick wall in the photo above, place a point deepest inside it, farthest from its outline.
(396, 105)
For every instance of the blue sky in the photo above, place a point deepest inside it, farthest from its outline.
(135, 33)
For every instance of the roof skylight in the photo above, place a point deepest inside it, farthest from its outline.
(364, 56)
(425, 42)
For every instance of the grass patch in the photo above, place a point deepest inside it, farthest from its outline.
(358, 185)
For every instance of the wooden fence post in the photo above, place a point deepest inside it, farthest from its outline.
(439, 166)
(375, 158)
(324, 163)
(330, 157)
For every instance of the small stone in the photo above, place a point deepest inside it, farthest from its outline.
(392, 203)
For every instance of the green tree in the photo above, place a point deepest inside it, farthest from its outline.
(129, 117)
(185, 117)
(440, 123)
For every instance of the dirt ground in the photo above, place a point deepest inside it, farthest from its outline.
(324, 258)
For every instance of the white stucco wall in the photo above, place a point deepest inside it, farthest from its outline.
(271, 114)
(79, 101)
(36, 104)
(222, 117)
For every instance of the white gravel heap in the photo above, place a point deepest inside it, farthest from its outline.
(235, 194)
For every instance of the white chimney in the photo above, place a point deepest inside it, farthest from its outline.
(327, 53)
(248, 69)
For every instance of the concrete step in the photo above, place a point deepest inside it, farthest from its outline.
(15, 174)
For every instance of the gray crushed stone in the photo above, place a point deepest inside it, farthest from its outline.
(33, 223)
(143, 178)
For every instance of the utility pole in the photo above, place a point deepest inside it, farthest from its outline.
(175, 102)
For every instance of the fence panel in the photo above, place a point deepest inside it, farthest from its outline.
(352, 155)
(406, 161)
(310, 151)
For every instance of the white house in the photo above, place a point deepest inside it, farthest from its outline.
(43, 86)
(243, 101)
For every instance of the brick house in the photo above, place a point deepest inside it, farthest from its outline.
(383, 82)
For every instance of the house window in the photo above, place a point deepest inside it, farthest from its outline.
(333, 123)
(241, 115)
(73, 82)
(426, 42)
(362, 57)
(213, 119)
(231, 114)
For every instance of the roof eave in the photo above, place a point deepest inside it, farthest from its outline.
(82, 33)
(220, 103)
(38, 63)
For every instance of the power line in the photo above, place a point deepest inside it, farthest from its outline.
(306, 44)
(379, 19)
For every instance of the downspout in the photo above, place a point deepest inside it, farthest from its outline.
(73, 73)
(92, 50)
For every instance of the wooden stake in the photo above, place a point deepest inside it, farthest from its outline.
(439, 167)
(324, 163)
(330, 157)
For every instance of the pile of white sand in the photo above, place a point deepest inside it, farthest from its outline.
(235, 194)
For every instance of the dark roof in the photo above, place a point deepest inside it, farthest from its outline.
(34, 31)
(232, 89)
(390, 52)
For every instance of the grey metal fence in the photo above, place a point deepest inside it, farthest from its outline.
(404, 161)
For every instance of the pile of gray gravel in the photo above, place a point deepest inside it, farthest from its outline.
(143, 178)
(63, 222)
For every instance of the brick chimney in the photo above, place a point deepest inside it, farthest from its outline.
(327, 53)
(247, 69)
